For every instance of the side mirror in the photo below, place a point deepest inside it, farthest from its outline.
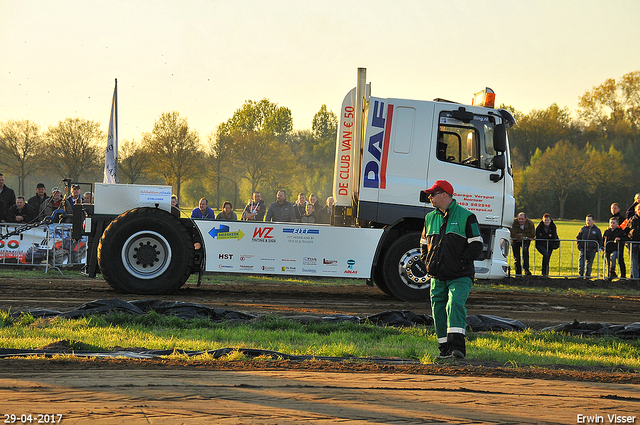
(499, 163)
(500, 138)
(423, 196)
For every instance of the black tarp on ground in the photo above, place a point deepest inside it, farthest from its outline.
(183, 310)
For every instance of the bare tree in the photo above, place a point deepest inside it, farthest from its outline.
(132, 161)
(73, 147)
(21, 146)
(174, 148)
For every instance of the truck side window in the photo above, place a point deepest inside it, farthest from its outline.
(468, 144)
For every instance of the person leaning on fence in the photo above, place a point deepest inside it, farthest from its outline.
(546, 241)
(632, 209)
(614, 238)
(21, 212)
(589, 243)
(615, 212)
(522, 232)
(633, 233)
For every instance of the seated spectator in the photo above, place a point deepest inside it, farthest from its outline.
(21, 212)
(299, 206)
(255, 209)
(614, 238)
(324, 214)
(281, 210)
(309, 216)
(227, 212)
(203, 211)
(589, 243)
(39, 198)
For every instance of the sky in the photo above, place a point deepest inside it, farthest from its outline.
(204, 58)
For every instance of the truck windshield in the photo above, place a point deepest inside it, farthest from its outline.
(466, 144)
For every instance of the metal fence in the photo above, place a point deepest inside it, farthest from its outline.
(49, 246)
(564, 260)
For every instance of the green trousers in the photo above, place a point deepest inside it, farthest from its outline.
(448, 298)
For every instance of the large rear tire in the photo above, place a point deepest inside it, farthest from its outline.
(404, 273)
(146, 251)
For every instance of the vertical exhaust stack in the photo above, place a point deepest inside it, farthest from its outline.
(346, 176)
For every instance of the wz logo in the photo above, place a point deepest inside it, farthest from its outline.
(302, 231)
(263, 232)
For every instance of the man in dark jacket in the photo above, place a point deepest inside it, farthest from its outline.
(450, 243)
(633, 233)
(281, 210)
(523, 232)
(39, 198)
(589, 243)
(21, 212)
(7, 196)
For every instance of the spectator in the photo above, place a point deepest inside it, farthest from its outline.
(314, 200)
(633, 233)
(324, 214)
(7, 196)
(54, 203)
(255, 209)
(203, 211)
(614, 238)
(21, 212)
(632, 208)
(3, 216)
(309, 216)
(546, 241)
(175, 208)
(589, 242)
(39, 198)
(227, 212)
(299, 206)
(281, 210)
(74, 198)
(87, 198)
(522, 232)
(615, 212)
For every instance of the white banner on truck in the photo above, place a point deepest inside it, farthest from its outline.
(344, 164)
(288, 248)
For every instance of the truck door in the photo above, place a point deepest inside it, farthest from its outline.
(463, 153)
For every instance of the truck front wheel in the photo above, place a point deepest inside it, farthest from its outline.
(146, 251)
(404, 273)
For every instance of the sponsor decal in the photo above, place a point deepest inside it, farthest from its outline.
(12, 244)
(223, 232)
(375, 171)
(225, 256)
(224, 266)
(245, 267)
(327, 262)
(289, 259)
(263, 234)
(267, 259)
(301, 231)
(288, 269)
(245, 257)
(308, 270)
(309, 261)
(350, 264)
(268, 269)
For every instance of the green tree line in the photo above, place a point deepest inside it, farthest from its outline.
(562, 164)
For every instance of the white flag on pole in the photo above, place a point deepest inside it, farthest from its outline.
(111, 153)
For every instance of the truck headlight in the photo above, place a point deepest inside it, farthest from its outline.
(504, 247)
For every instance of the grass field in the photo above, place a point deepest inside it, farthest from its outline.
(152, 331)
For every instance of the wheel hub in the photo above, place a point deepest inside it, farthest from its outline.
(146, 254)
(412, 270)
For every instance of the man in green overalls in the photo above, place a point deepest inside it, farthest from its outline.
(450, 243)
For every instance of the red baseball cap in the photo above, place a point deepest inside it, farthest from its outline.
(440, 186)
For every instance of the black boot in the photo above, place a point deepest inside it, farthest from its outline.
(444, 350)
(457, 345)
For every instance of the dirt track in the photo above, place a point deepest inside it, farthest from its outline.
(110, 391)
